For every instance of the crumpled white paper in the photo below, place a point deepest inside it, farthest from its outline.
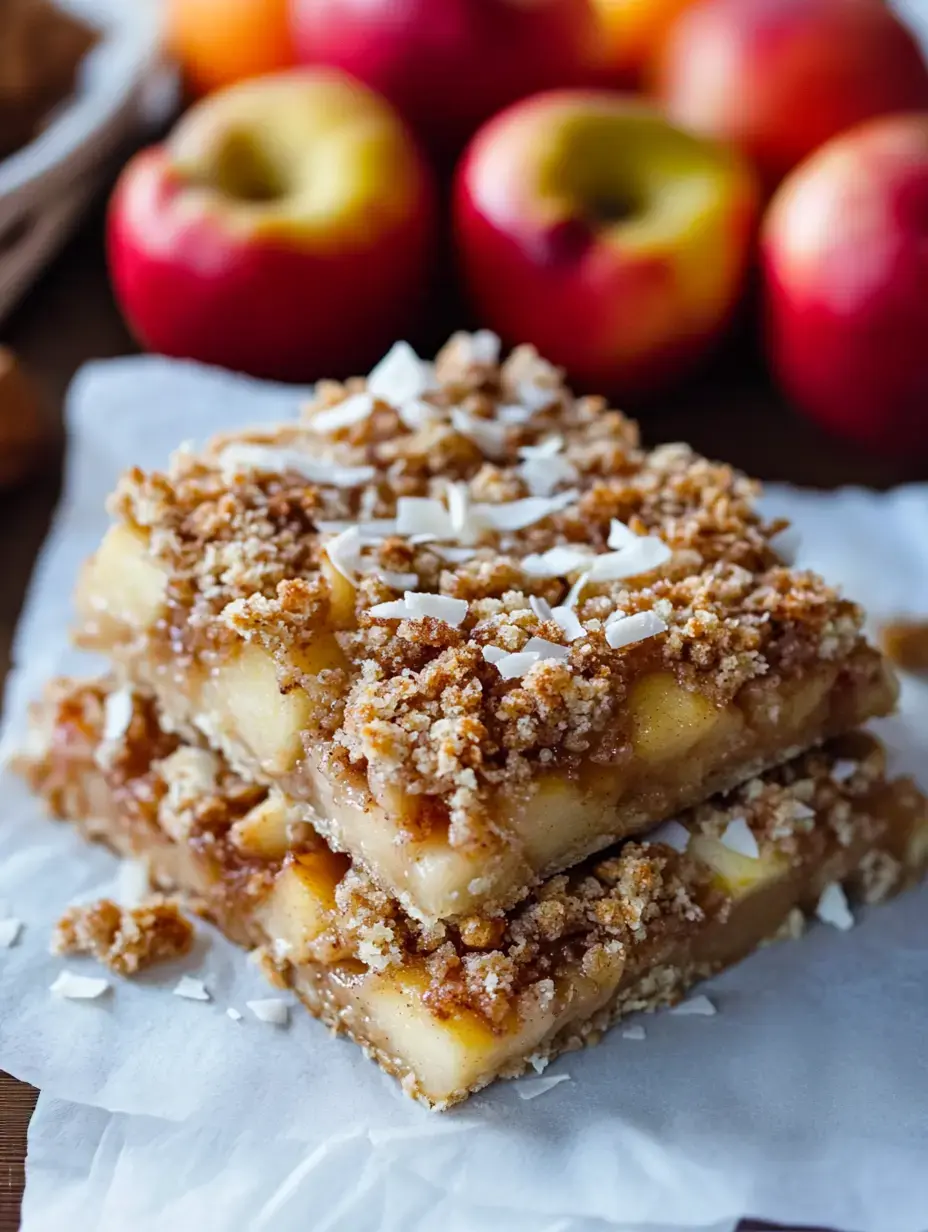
(805, 1099)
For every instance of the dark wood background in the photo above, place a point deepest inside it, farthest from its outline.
(730, 411)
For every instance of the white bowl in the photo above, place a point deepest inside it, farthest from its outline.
(45, 185)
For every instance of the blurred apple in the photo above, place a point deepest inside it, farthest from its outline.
(845, 256)
(634, 31)
(219, 42)
(448, 65)
(616, 243)
(284, 229)
(779, 77)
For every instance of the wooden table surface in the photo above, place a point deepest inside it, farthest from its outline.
(69, 318)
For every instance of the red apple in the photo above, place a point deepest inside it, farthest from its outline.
(448, 65)
(283, 229)
(845, 255)
(779, 77)
(616, 243)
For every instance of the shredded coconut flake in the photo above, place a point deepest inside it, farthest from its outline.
(739, 838)
(234, 1014)
(399, 581)
(671, 834)
(270, 1009)
(833, 907)
(511, 666)
(421, 515)
(133, 882)
(493, 654)
(352, 410)
(514, 413)
(545, 649)
(518, 514)
(535, 397)
(79, 987)
(544, 473)
(786, 544)
(191, 989)
(630, 629)
(489, 435)
(117, 714)
(344, 553)
(415, 606)
(415, 414)
(541, 607)
(9, 933)
(844, 769)
(642, 556)
(556, 562)
(569, 623)
(695, 1006)
(531, 1088)
(483, 347)
(620, 536)
(547, 448)
(634, 1032)
(401, 376)
(238, 459)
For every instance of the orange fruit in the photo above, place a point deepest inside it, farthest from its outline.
(218, 42)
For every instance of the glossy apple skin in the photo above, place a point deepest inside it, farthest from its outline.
(634, 31)
(313, 279)
(845, 262)
(448, 65)
(626, 305)
(777, 78)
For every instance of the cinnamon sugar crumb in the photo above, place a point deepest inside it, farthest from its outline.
(905, 642)
(127, 940)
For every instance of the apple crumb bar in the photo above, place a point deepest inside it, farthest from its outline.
(470, 623)
(448, 1007)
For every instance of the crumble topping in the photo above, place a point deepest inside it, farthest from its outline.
(906, 644)
(125, 939)
(514, 559)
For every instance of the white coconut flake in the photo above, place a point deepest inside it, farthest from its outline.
(514, 414)
(539, 1063)
(518, 514)
(573, 595)
(672, 834)
(401, 376)
(541, 607)
(568, 622)
(270, 1009)
(399, 581)
(238, 459)
(738, 837)
(415, 606)
(786, 544)
(512, 666)
(543, 475)
(556, 562)
(545, 649)
(483, 347)
(802, 812)
(634, 1032)
(547, 448)
(488, 435)
(844, 769)
(493, 654)
(642, 556)
(191, 989)
(695, 1006)
(531, 1088)
(421, 515)
(620, 536)
(133, 882)
(416, 414)
(344, 553)
(354, 409)
(79, 987)
(117, 714)
(630, 629)
(454, 556)
(536, 397)
(9, 932)
(234, 1014)
(833, 908)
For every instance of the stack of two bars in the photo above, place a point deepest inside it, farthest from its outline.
(402, 688)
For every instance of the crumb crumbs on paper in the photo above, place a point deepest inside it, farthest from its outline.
(833, 908)
(127, 940)
(10, 930)
(270, 1009)
(78, 987)
(635, 1032)
(697, 1006)
(531, 1088)
(192, 989)
(906, 643)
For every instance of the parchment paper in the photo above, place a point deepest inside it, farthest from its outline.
(805, 1099)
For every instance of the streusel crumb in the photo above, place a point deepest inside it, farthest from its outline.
(127, 940)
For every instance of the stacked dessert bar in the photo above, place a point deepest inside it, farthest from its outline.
(485, 724)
